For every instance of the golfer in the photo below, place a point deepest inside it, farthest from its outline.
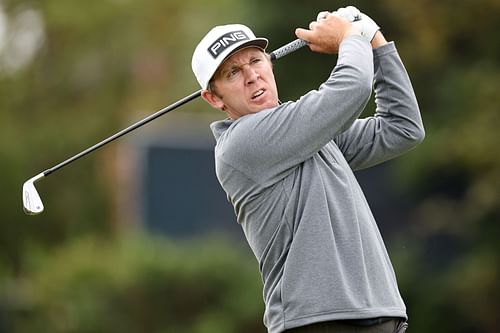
(287, 168)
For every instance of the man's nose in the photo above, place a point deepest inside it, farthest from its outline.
(251, 75)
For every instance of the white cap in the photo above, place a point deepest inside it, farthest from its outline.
(218, 44)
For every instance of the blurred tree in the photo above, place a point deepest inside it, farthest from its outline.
(137, 283)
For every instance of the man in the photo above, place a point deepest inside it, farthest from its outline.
(287, 170)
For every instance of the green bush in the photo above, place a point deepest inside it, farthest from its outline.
(138, 284)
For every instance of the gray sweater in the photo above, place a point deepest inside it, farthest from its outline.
(288, 171)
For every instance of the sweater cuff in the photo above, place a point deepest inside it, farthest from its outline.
(384, 49)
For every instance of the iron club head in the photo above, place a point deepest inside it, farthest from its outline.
(32, 203)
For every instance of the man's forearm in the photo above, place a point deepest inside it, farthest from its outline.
(394, 96)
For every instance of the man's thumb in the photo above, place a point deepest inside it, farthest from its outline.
(302, 34)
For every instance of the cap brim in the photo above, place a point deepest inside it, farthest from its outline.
(261, 43)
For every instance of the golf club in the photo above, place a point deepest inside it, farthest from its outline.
(32, 203)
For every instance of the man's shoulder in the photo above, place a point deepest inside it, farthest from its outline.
(220, 126)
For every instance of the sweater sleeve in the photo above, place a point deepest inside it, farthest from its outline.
(266, 145)
(396, 126)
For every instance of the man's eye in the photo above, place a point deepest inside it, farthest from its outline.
(255, 61)
(233, 72)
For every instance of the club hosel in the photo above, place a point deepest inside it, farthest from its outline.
(39, 176)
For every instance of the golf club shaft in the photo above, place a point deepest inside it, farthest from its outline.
(276, 54)
(125, 131)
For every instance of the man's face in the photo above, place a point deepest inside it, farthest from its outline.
(244, 84)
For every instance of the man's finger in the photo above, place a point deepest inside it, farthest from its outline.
(312, 25)
(303, 34)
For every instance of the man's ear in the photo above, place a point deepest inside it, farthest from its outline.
(212, 99)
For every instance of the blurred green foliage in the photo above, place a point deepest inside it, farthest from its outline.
(102, 64)
(137, 283)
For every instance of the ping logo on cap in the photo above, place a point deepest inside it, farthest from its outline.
(225, 41)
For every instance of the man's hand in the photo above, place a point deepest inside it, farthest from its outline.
(326, 34)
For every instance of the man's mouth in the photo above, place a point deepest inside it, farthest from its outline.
(258, 93)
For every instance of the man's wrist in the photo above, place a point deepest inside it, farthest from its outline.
(378, 40)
